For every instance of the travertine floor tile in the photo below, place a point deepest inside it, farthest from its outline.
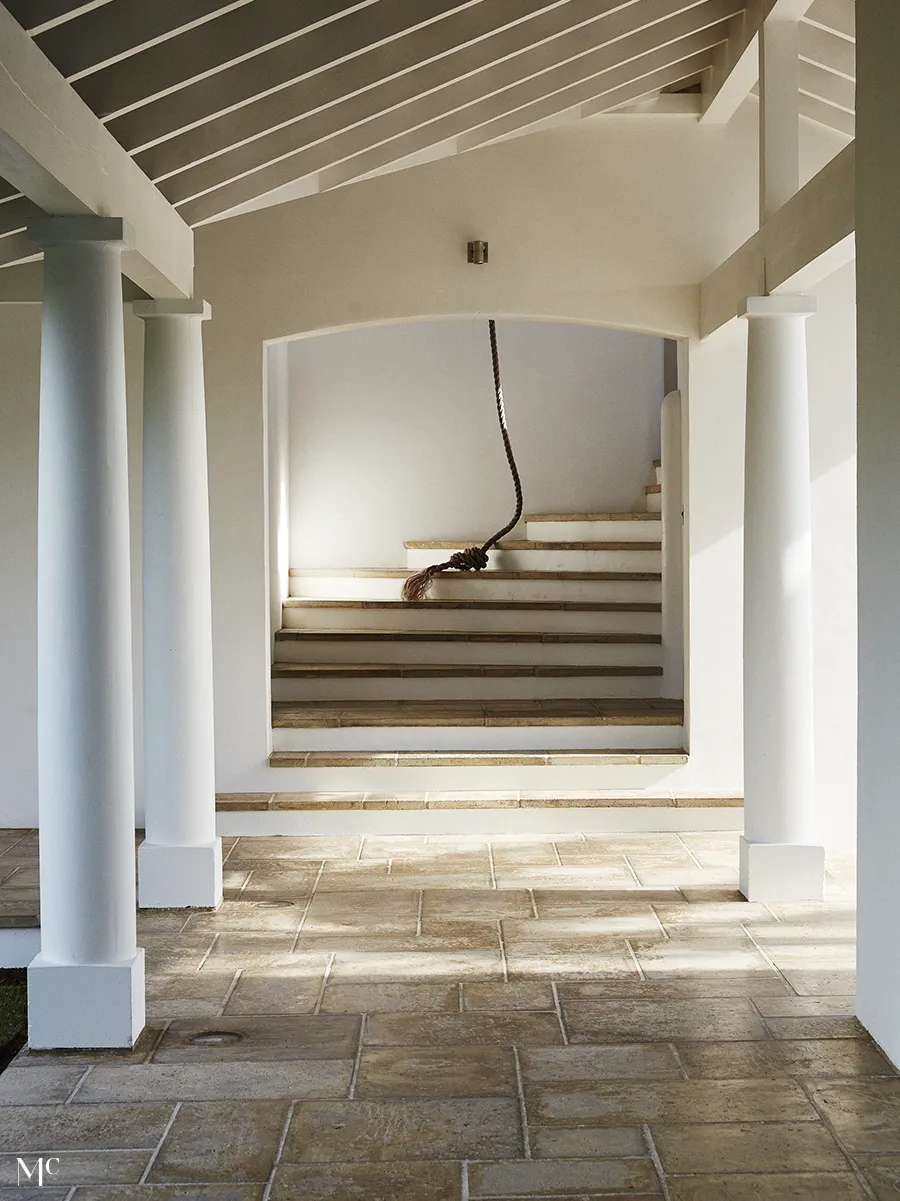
(882, 1173)
(82, 1167)
(462, 1029)
(745, 1147)
(436, 1072)
(368, 1182)
(345, 1131)
(597, 1142)
(268, 1081)
(584, 1065)
(82, 1127)
(44, 1085)
(443, 905)
(562, 1178)
(178, 1192)
(275, 991)
(660, 1021)
(361, 967)
(496, 997)
(391, 998)
(807, 1186)
(704, 986)
(865, 1114)
(806, 1059)
(309, 1036)
(220, 1140)
(621, 1103)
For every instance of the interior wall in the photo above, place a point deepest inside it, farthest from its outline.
(393, 432)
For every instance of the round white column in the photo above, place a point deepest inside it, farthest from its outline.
(672, 547)
(86, 987)
(180, 863)
(779, 856)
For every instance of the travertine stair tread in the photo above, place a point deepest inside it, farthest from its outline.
(403, 573)
(345, 714)
(530, 544)
(425, 759)
(256, 802)
(651, 489)
(592, 517)
(530, 636)
(446, 670)
(303, 602)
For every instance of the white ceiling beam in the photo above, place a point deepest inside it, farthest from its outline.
(309, 108)
(796, 244)
(55, 151)
(736, 69)
(828, 51)
(835, 16)
(620, 84)
(470, 102)
(824, 113)
(826, 86)
(665, 104)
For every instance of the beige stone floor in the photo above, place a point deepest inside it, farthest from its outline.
(452, 1019)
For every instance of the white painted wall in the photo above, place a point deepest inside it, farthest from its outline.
(394, 432)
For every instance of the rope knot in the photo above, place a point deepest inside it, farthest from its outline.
(473, 558)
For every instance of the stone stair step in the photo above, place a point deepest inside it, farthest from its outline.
(490, 615)
(315, 715)
(467, 648)
(460, 759)
(585, 527)
(312, 802)
(496, 585)
(522, 554)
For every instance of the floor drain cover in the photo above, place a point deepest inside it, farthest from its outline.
(216, 1038)
(274, 904)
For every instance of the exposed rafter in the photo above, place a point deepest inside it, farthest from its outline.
(56, 152)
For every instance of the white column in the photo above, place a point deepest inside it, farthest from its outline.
(180, 862)
(779, 114)
(779, 856)
(672, 547)
(86, 987)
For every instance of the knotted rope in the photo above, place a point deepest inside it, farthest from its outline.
(474, 558)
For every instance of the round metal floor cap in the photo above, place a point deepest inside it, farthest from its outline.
(216, 1038)
(274, 904)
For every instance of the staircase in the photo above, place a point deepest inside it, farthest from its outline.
(550, 657)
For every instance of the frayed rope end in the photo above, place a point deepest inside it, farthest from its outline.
(418, 586)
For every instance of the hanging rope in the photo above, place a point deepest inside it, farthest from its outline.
(474, 558)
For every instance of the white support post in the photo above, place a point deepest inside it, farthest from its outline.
(780, 859)
(779, 114)
(180, 862)
(86, 987)
(672, 547)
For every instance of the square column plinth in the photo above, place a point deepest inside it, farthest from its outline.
(85, 1004)
(781, 871)
(180, 877)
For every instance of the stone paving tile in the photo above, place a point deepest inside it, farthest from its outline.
(392, 998)
(83, 1167)
(562, 1178)
(745, 1147)
(342, 913)
(45, 1085)
(584, 1065)
(805, 1007)
(269, 1081)
(220, 1140)
(705, 986)
(187, 994)
(462, 1029)
(587, 902)
(804, 1186)
(262, 1039)
(815, 1027)
(882, 1173)
(277, 991)
(364, 967)
(436, 1072)
(178, 1192)
(660, 1021)
(865, 1114)
(517, 995)
(368, 1182)
(808, 1059)
(621, 1103)
(450, 906)
(43, 1128)
(345, 1131)
(598, 1142)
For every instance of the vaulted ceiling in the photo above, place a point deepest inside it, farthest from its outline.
(232, 105)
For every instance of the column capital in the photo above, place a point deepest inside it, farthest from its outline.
(172, 308)
(778, 306)
(57, 231)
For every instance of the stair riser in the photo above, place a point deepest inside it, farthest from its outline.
(453, 586)
(552, 621)
(465, 688)
(549, 560)
(657, 475)
(654, 502)
(480, 738)
(543, 653)
(594, 531)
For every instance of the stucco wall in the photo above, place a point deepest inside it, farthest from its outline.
(393, 432)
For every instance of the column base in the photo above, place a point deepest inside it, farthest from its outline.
(85, 1005)
(781, 871)
(180, 877)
